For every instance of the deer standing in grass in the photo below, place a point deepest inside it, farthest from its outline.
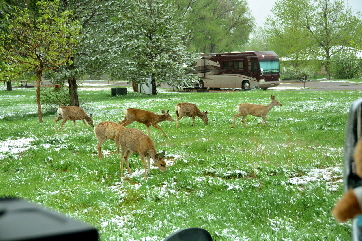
(255, 110)
(145, 117)
(107, 130)
(134, 140)
(190, 110)
(72, 113)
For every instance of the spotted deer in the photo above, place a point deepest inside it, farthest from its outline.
(145, 117)
(190, 110)
(107, 130)
(134, 140)
(255, 110)
(72, 113)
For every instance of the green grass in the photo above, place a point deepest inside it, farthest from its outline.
(276, 182)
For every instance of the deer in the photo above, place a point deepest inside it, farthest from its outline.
(107, 130)
(190, 110)
(134, 140)
(255, 110)
(72, 113)
(145, 117)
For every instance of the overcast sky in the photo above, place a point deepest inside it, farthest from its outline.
(260, 9)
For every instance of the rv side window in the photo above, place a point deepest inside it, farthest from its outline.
(254, 66)
(226, 65)
(238, 65)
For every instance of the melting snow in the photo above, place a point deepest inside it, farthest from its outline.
(332, 175)
(14, 146)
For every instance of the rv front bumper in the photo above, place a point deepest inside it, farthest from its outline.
(264, 85)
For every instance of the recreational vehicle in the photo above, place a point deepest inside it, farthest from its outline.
(238, 70)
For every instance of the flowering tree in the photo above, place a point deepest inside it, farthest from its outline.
(95, 48)
(151, 44)
(35, 43)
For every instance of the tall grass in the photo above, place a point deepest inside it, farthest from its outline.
(276, 182)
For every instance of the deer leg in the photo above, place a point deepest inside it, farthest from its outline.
(124, 158)
(117, 147)
(148, 131)
(121, 164)
(235, 116)
(264, 120)
(99, 148)
(62, 125)
(74, 123)
(125, 122)
(193, 120)
(243, 120)
(178, 118)
(149, 164)
(127, 162)
(156, 126)
(56, 120)
(144, 165)
(83, 122)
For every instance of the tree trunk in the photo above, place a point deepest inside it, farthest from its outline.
(212, 48)
(154, 87)
(326, 66)
(9, 87)
(135, 86)
(39, 73)
(73, 87)
(73, 91)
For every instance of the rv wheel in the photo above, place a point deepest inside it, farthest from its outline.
(245, 85)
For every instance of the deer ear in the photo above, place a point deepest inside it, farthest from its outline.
(163, 111)
(272, 97)
(168, 111)
(162, 154)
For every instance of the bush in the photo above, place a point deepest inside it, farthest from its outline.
(297, 73)
(346, 65)
(52, 98)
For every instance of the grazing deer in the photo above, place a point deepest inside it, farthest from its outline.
(255, 110)
(145, 117)
(72, 113)
(134, 140)
(190, 110)
(107, 130)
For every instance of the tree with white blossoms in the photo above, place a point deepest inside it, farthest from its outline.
(151, 45)
(35, 43)
(98, 36)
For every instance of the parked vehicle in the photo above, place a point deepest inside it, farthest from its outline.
(244, 70)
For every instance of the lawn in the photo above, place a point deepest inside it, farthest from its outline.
(275, 182)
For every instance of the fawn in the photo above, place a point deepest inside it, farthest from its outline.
(190, 110)
(72, 113)
(107, 130)
(255, 110)
(134, 140)
(146, 117)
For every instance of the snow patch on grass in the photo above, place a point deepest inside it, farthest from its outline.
(14, 147)
(332, 175)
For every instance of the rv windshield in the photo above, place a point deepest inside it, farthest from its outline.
(269, 66)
